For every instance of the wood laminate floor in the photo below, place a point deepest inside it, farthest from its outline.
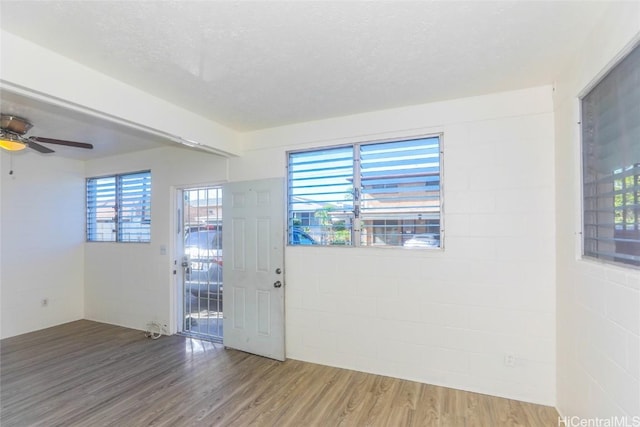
(92, 374)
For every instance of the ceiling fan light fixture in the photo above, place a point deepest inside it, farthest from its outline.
(11, 142)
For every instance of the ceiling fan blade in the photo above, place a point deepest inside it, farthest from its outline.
(38, 147)
(61, 142)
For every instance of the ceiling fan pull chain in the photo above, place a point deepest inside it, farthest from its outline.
(10, 163)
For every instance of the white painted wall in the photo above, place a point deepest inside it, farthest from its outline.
(130, 284)
(448, 317)
(598, 315)
(42, 246)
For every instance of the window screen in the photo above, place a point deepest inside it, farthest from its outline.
(611, 164)
(119, 208)
(368, 194)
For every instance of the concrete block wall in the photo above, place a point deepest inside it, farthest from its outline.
(441, 317)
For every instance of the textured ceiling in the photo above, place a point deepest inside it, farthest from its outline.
(253, 65)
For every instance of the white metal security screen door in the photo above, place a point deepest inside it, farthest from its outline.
(253, 218)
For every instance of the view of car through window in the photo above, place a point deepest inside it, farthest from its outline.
(203, 246)
(299, 237)
(203, 243)
(426, 240)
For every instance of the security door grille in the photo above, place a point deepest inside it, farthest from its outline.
(202, 306)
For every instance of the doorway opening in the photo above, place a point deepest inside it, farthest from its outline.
(202, 263)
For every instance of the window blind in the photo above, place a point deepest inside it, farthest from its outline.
(134, 207)
(367, 194)
(611, 164)
(101, 209)
(320, 193)
(400, 187)
(119, 208)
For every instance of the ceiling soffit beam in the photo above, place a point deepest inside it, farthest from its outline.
(33, 71)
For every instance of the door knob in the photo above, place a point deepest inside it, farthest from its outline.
(277, 284)
(278, 270)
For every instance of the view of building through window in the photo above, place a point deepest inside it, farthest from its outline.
(370, 194)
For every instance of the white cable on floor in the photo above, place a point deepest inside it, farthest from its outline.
(154, 330)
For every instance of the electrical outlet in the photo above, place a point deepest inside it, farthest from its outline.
(44, 302)
(509, 360)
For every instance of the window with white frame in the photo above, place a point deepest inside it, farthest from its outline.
(119, 208)
(611, 164)
(367, 194)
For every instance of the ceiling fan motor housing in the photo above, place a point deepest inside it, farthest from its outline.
(15, 124)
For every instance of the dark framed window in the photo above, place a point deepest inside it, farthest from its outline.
(119, 208)
(367, 194)
(610, 126)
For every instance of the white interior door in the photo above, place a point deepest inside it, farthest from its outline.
(253, 232)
